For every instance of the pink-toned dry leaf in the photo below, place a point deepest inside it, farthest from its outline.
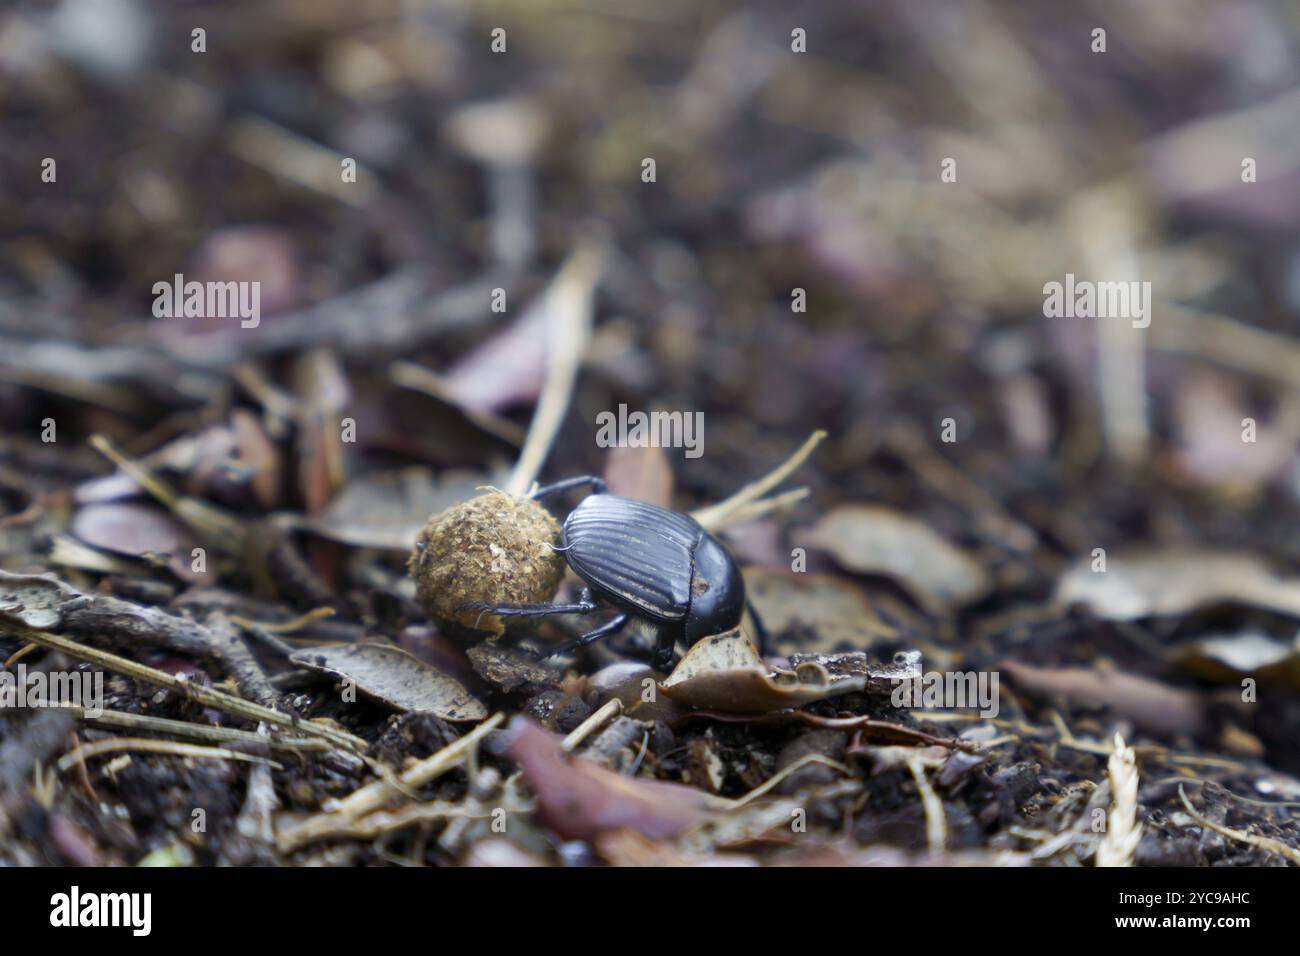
(252, 253)
(1154, 707)
(579, 799)
(642, 473)
(507, 369)
(259, 454)
(1209, 411)
(129, 528)
(322, 385)
(137, 530)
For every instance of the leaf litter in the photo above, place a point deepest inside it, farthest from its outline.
(1159, 692)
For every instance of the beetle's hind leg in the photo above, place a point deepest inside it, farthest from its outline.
(585, 605)
(598, 486)
(612, 626)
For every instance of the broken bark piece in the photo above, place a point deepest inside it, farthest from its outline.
(507, 669)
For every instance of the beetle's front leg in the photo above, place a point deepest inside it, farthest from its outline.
(609, 627)
(662, 657)
(760, 630)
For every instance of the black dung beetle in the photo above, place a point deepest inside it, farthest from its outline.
(651, 563)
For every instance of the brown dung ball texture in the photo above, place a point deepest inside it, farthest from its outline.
(494, 549)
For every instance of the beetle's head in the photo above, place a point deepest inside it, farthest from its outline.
(717, 591)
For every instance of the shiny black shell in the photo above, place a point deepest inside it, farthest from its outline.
(634, 554)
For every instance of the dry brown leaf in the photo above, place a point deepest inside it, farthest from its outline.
(388, 509)
(814, 613)
(724, 672)
(872, 539)
(1175, 581)
(396, 678)
(321, 383)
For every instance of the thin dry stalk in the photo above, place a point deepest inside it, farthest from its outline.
(1123, 832)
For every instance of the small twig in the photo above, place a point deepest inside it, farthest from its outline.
(766, 506)
(1123, 832)
(568, 301)
(288, 627)
(256, 824)
(121, 720)
(936, 821)
(240, 662)
(584, 730)
(294, 157)
(148, 745)
(884, 729)
(218, 529)
(1264, 843)
(18, 655)
(775, 780)
(389, 821)
(715, 516)
(204, 695)
(376, 795)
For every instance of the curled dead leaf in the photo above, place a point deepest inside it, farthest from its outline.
(33, 599)
(137, 531)
(724, 672)
(1229, 657)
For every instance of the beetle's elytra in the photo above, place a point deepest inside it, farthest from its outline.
(651, 563)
